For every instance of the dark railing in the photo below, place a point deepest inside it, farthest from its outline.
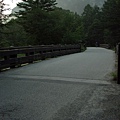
(16, 56)
(104, 45)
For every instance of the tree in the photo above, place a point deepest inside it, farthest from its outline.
(111, 19)
(95, 33)
(2, 9)
(47, 24)
(14, 34)
(91, 21)
(69, 26)
(72, 23)
(108, 37)
(87, 17)
(3, 17)
(36, 19)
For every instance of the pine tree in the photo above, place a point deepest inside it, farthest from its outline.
(35, 17)
(111, 19)
(29, 5)
(3, 17)
(2, 9)
(91, 20)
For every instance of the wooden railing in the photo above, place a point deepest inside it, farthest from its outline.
(104, 45)
(16, 56)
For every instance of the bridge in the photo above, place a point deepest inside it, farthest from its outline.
(72, 87)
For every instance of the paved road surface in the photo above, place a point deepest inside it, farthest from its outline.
(71, 87)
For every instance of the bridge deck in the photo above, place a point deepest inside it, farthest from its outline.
(70, 87)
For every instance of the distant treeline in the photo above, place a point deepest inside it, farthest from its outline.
(41, 22)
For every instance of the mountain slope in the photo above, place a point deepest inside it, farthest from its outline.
(78, 5)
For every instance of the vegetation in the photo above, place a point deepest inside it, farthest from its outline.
(41, 22)
(2, 19)
(114, 76)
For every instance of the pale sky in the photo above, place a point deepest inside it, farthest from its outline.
(12, 4)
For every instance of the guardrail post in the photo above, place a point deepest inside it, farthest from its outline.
(118, 74)
(81, 47)
(12, 65)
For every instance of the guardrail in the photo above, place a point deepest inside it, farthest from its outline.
(104, 46)
(16, 56)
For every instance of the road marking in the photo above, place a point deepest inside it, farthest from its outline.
(59, 79)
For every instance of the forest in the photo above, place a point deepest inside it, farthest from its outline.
(41, 22)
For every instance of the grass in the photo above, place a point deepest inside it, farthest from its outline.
(20, 55)
(114, 75)
(83, 48)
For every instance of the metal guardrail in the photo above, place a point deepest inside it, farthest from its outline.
(16, 56)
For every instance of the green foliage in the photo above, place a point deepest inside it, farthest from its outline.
(95, 32)
(3, 17)
(70, 23)
(114, 75)
(14, 34)
(102, 25)
(92, 25)
(47, 24)
(108, 37)
(111, 20)
(37, 20)
(41, 22)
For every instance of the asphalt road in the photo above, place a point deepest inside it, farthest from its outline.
(71, 87)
